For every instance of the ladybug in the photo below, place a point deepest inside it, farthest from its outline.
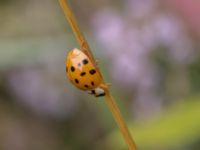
(82, 73)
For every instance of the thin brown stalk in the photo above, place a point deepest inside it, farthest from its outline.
(109, 99)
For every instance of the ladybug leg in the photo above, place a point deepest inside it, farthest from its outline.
(108, 84)
(105, 86)
(83, 46)
(96, 63)
(89, 92)
(92, 92)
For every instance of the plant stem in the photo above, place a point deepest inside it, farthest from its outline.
(109, 99)
(120, 121)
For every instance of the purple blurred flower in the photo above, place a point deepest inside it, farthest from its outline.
(129, 45)
(35, 89)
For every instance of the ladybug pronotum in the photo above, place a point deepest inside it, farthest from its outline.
(82, 73)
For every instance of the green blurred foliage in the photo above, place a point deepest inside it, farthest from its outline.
(175, 129)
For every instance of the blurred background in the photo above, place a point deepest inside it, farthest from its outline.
(147, 49)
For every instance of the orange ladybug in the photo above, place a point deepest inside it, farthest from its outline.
(82, 73)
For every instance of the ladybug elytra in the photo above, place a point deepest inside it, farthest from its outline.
(82, 72)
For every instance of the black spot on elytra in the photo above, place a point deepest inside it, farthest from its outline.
(83, 73)
(72, 68)
(93, 91)
(76, 80)
(92, 83)
(92, 71)
(86, 86)
(85, 61)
